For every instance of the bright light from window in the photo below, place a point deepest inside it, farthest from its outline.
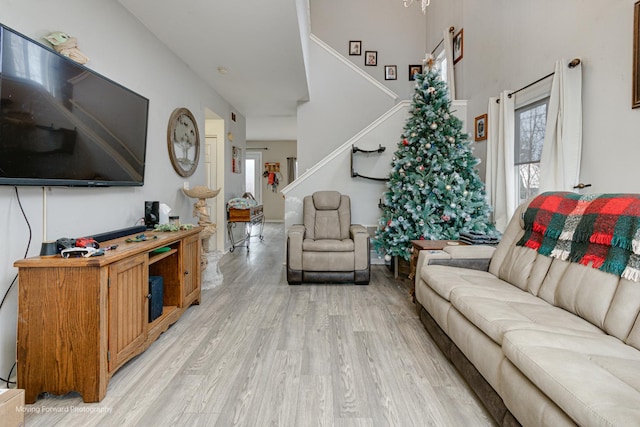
(250, 174)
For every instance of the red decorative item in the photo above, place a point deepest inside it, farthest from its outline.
(405, 142)
(422, 238)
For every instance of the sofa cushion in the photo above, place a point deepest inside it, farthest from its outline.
(444, 279)
(495, 306)
(594, 379)
(496, 312)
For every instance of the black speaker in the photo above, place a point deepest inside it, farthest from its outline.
(151, 214)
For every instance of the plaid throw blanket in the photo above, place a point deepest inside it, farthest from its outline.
(602, 229)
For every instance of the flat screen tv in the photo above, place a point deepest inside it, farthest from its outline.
(62, 124)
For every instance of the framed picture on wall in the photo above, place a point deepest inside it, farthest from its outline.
(371, 58)
(413, 70)
(635, 102)
(236, 159)
(355, 48)
(390, 72)
(481, 128)
(458, 43)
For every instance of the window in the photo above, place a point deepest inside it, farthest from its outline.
(441, 65)
(530, 125)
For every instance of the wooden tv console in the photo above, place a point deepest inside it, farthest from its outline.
(80, 319)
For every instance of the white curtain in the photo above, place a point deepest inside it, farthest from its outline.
(447, 36)
(500, 159)
(560, 160)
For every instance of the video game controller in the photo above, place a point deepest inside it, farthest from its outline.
(78, 252)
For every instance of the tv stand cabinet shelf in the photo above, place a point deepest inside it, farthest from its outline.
(81, 319)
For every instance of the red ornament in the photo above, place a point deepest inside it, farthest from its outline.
(421, 237)
(388, 222)
(405, 142)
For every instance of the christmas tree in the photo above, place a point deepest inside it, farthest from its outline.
(434, 191)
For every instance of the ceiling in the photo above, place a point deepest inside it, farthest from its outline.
(258, 42)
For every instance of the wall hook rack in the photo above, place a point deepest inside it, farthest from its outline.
(355, 150)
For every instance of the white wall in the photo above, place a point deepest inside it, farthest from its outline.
(509, 44)
(123, 50)
(341, 102)
(385, 26)
(334, 172)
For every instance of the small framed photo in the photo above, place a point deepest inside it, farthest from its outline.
(413, 70)
(635, 101)
(390, 72)
(481, 128)
(355, 48)
(371, 58)
(457, 46)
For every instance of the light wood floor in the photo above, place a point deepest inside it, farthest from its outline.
(258, 352)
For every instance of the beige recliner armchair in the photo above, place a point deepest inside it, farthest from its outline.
(327, 248)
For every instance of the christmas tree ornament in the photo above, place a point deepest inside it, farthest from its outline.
(434, 126)
(452, 139)
(448, 187)
(405, 142)
(427, 145)
(387, 257)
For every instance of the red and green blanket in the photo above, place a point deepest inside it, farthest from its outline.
(598, 229)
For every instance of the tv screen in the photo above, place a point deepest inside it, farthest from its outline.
(62, 124)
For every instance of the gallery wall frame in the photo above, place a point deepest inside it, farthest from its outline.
(391, 72)
(355, 48)
(458, 46)
(481, 128)
(635, 99)
(413, 70)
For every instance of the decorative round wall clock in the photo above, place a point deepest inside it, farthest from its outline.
(183, 141)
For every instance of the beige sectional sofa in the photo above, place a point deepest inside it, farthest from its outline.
(543, 342)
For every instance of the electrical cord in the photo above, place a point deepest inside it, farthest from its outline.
(13, 282)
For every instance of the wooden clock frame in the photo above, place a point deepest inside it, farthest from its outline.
(176, 161)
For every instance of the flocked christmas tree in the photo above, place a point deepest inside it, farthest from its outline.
(434, 191)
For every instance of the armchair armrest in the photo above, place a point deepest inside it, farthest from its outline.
(295, 237)
(360, 238)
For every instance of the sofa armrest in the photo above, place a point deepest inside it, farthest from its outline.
(360, 238)
(475, 257)
(295, 237)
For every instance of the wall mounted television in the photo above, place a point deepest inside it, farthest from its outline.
(62, 124)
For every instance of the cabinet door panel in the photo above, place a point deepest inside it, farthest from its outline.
(192, 271)
(128, 308)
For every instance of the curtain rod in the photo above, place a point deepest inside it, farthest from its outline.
(574, 63)
(257, 148)
(451, 29)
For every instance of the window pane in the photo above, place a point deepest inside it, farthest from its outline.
(528, 176)
(531, 122)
